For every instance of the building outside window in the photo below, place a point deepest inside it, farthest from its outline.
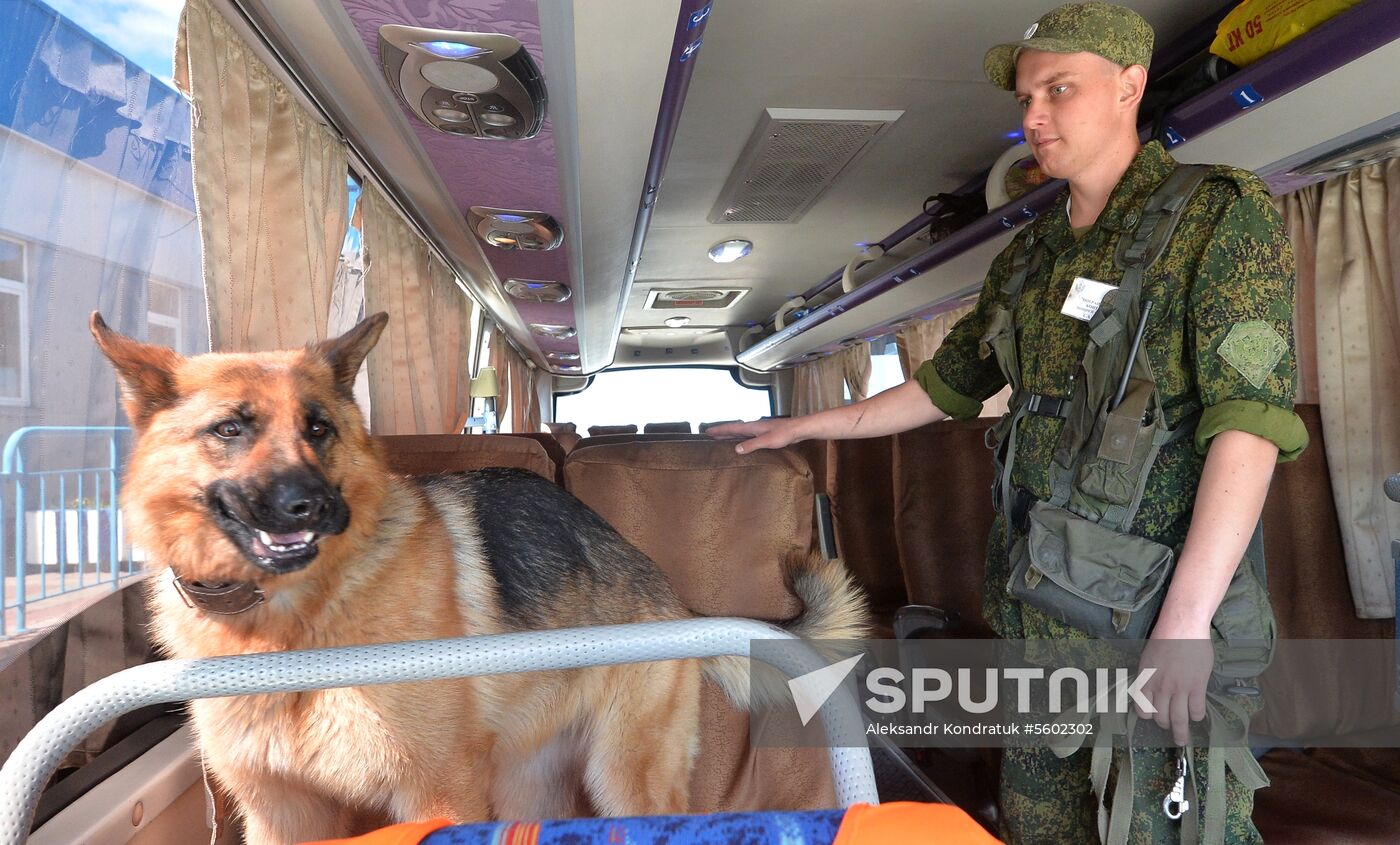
(163, 315)
(14, 323)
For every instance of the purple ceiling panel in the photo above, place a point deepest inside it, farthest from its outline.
(502, 174)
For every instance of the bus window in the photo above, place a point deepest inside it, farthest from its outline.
(663, 394)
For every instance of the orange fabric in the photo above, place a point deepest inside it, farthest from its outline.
(909, 822)
(408, 833)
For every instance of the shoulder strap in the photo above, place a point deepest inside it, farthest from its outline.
(1139, 250)
(1024, 263)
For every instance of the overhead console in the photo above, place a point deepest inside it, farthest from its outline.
(477, 84)
(1314, 107)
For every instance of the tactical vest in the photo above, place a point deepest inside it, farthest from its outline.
(1075, 559)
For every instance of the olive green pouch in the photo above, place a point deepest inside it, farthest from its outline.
(1104, 583)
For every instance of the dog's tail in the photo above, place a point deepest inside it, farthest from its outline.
(833, 608)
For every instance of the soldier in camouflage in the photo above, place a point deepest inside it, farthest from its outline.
(1220, 344)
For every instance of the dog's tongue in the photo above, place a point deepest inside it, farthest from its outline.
(287, 539)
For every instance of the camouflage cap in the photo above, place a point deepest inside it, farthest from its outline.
(1117, 33)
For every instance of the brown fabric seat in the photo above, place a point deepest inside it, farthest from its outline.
(942, 516)
(567, 435)
(595, 430)
(1318, 795)
(425, 454)
(552, 448)
(667, 428)
(719, 525)
(634, 437)
(858, 476)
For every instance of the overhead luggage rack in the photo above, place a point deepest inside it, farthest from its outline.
(1363, 29)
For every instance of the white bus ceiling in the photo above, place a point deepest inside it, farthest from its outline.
(605, 65)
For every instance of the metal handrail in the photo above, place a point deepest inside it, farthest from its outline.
(40, 751)
(12, 469)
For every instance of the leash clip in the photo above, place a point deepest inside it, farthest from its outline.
(1175, 804)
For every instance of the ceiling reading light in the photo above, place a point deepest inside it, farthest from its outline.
(554, 331)
(726, 252)
(677, 322)
(561, 356)
(512, 229)
(538, 291)
(452, 49)
(495, 88)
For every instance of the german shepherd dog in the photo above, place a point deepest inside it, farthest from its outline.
(256, 489)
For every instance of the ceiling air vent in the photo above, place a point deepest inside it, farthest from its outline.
(663, 300)
(792, 158)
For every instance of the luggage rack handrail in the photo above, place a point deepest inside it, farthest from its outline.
(38, 754)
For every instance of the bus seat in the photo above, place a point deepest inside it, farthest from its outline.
(858, 476)
(552, 448)
(595, 430)
(425, 454)
(719, 525)
(667, 428)
(567, 435)
(942, 516)
(1319, 795)
(599, 439)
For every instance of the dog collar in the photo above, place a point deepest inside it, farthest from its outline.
(225, 599)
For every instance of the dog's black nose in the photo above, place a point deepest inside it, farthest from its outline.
(300, 501)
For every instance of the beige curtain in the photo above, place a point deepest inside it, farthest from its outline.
(917, 342)
(270, 187)
(855, 369)
(420, 372)
(519, 386)
(818, 385)
(1354, 276)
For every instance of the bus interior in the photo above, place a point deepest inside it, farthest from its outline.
(600, 226)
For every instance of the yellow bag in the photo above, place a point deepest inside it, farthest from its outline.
(1256, 28)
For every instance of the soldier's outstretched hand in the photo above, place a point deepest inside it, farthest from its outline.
(759, 434)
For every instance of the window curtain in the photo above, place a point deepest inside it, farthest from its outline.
(519, 386)
(855, 369)
(270, 187)
(917, 342)
(1347, 236)
(817, 385)
(420, 372)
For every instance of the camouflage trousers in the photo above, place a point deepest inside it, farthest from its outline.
(1046, 799)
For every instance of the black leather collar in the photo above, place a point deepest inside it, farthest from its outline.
(225, 599)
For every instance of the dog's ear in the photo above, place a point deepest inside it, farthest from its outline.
(347, 352)
(146, 373)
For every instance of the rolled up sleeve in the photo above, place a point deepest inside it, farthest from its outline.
(1242, 322)
(961, 375)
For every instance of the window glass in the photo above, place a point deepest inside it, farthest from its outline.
(96, 214)
(12, 328)
(11, 260)
(662, 394)
(884, 365)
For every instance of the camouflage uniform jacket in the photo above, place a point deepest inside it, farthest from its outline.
(1220, 341)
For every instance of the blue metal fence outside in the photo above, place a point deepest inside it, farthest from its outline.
(60, 523)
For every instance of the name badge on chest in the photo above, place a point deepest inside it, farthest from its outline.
(1084, 298)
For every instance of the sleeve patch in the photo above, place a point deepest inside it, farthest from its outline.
(1253, 348)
